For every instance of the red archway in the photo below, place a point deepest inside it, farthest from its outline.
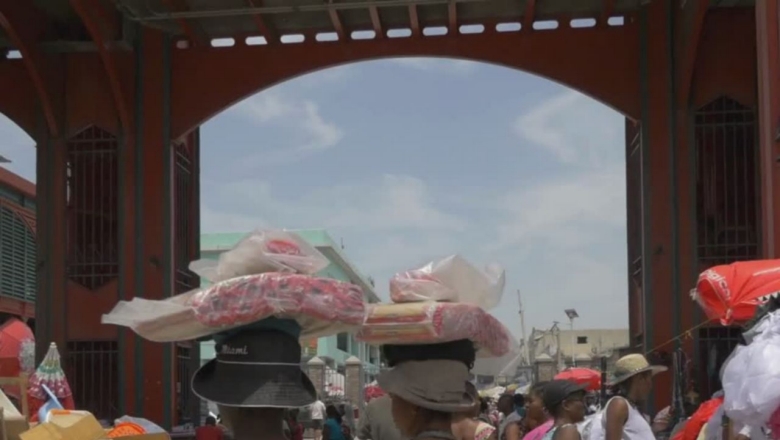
(81, 67)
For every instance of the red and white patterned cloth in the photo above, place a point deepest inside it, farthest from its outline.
(247, 299)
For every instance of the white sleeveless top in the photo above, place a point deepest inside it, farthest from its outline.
(636, 427)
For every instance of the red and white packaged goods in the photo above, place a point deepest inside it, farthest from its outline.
(268, 273)
(445, 300)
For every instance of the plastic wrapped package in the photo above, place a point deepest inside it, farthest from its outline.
(751, 381)
(263, 251)
(451, 279)
(431, 322)
(320, 305)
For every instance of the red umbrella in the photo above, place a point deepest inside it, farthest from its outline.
(732, 292)
(582, 376)
(17, 352)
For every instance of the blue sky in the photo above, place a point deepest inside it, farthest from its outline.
(410, 159)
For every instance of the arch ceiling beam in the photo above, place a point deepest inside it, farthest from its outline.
(196, 38)
(607, 10)
(414, 20)
(204, 87)
(692, 22)
(85, 9)
(452, 17)
(262, 27)
(25, 26)
(376, 22)
(529, 14)
(336, 21)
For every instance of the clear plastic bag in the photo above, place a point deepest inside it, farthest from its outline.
(751, 381)
(263, 251)
(433, 322)
(260, 277)
(451, 279)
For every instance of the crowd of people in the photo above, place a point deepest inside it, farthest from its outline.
(553, 410)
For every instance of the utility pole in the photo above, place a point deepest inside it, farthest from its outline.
(527, 358)
(557, 344)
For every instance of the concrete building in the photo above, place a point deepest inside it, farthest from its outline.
(333, 350)
(580, 347)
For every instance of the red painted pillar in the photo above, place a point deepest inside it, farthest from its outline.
(767, 36)
(660, 251)
(152, 181)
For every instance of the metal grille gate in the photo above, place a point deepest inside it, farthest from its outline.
(92, 207)
(92, 368)
(634, 216)
(185, 244)
(727, 211)
(727, 205)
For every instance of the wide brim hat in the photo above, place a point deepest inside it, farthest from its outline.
(438, 385)
(256, 369)
(629, 366)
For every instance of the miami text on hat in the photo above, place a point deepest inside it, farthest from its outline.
(234, 350)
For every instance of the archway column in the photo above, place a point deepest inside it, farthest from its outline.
(665, 165)
(137, 255)
(768, 51)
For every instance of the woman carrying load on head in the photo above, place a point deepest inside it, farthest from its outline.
(428, 385)
(256, 376)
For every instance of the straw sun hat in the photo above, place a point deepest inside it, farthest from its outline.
(631, 365)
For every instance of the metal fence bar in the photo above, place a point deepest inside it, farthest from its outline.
(727, 188)
(92, 369)
(92, 207)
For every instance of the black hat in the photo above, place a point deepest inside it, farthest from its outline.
(255, 368)
(556, 391)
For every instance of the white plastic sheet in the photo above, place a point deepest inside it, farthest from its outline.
(452, 279)
(751, 380)
(266, 274)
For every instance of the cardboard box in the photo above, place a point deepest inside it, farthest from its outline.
(78, 427)
(13, 422)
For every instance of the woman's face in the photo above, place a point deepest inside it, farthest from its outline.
(404, 416)
(535, 407)
(574, 405)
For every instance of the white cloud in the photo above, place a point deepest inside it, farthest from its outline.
(311, 133)
(388, 203)
(574, 128)
(564, 213)
(457, 67)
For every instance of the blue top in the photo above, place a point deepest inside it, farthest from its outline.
(334, 430)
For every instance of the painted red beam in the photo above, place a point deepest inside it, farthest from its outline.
(269, 35)
(24, 26)
(336, 22)
(195, 38)
(414, 20)
(692, 19)
(376, 22)
(529, 14)
(606, 11)
(85, 9)
(452, 15)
